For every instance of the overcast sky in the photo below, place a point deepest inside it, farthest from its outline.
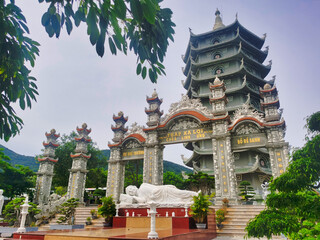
(77, 86)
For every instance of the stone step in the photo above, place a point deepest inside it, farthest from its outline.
(242, 214)
(230, 231)
(237, 218)
(241, 206)
(234, 227)
(239, 235)
(254, 211)
(233, 221)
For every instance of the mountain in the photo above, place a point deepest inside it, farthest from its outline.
(16, 158)
(167, 165)
(34, 165)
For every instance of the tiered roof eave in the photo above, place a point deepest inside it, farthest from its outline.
(242, 71)
(264, 69)
(256, 40)
(261, 54)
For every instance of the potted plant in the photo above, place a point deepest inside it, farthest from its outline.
(220, 216)
(88, 222)
(200, 209)
(246, 192)
(225, 202)
(107, 210)
(94, 213)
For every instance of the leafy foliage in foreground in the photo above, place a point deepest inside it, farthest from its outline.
(142, 26)
(293, 207)
(16, 83)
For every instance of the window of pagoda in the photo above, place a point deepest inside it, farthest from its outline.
(218, 71)
(215, 41)
(216, 55)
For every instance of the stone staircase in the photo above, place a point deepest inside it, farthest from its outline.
(237, 218)
(82, 213)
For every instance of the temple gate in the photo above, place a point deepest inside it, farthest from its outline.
(189, 122)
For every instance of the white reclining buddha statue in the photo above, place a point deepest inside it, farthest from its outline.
(162, 194)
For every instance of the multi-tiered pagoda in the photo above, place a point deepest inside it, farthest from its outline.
(234, 57)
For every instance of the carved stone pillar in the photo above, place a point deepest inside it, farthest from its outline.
(225, 177)
(223, 161)
(116, 167)
(277, 147)
(45, 172)
(116, 172)
(78, 171)
(153, 160)
(278, 151)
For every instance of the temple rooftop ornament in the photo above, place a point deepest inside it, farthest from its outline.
(154, 113)
(218, 21)
(119, 129)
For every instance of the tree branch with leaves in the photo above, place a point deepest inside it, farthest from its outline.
(142, 26)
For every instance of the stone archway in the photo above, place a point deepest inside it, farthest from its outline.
(188, 121)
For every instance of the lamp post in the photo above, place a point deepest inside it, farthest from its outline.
(153, 211)
(24, 212)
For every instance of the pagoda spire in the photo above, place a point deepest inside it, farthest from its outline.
(218, 21)
(119, 129)
(45, 172)
(78, 171)
(153, 112)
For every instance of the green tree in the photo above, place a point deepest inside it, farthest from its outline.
(61, 191)
(200, 181)
(293, 207)
(68, 145)
(15, 180)
(142, 26)
(12, 210)
(133, 173)
(170, 178)
(96, 177)
(246, 191)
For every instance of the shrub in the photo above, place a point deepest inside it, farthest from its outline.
(68, 210)
(200, 207)
(11, 212)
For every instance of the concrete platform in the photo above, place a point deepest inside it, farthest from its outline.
(118, 233)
